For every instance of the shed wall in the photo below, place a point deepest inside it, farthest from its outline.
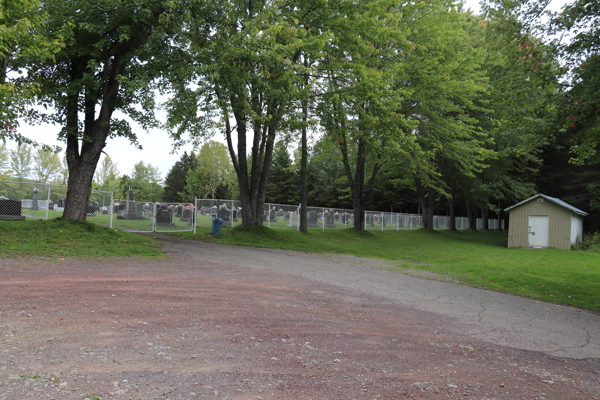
(560, 224)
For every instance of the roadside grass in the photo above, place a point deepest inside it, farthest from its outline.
(57, 238)
(478, 259)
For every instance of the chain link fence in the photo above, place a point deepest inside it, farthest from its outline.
(28, 200)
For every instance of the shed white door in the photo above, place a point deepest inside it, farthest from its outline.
(538, 230)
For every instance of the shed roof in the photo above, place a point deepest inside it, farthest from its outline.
(552, 199)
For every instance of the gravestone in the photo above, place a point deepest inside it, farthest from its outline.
(10, 210)
(164, 217)
(34, 199)
(312, 219)
(370, 220)
(329, 221)
(179, 211)
(235, 212)
(225, 215)
(294, 221)
(92, 209)
(273, 216)
(187, 215)
(344, 218)
(336, 216)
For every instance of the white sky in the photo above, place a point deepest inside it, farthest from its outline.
(156, 144)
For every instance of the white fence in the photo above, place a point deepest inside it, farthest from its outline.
(286, 216)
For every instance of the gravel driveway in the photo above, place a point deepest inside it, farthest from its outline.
(225, 322)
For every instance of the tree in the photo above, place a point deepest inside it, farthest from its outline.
(110, 63)
(23, 39)
(175, 181)
(212, 174)
(107, 176)
(47, 165)
(145, 183)
(283, 184)
(366, 84)
(245, 64)
(20, 161)
(4, 156)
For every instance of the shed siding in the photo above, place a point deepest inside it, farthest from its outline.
(559, 221)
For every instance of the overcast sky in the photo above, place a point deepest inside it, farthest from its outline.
(156, 144)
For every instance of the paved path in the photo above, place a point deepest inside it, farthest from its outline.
(499, 318)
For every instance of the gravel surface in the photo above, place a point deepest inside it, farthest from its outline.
(220, 322)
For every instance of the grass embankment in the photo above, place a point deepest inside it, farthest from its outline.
(66, 239)
(475, 258)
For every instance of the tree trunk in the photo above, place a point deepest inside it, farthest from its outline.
(484, 217)
(452, 211)
(427, 203)
(472, 215)
(304, 163)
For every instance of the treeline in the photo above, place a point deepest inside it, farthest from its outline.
(399, 99)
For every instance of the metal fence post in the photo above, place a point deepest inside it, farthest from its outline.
(323, 215)
(48, 203)
(195, 213)
(110, 210)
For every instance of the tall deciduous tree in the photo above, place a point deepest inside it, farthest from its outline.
(109, 64)
(46, 165)
(4, 156)
(107, 176)
(246, 64)
(22, 38)
(145, 182)
(20, 161)
(213, 173)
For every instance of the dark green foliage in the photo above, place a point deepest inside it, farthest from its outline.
(284, 185)
(176, 178)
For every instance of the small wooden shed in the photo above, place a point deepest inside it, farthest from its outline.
(542, 222)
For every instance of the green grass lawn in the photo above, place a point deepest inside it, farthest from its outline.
(475, 258)
(56, 238)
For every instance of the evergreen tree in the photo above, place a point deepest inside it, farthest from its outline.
(283, 186)
(176, 178)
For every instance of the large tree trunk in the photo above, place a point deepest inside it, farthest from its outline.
(304, 163)
(427, 200)
(472, 215)
(485, 218)
(452, 209)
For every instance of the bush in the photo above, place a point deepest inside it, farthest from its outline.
(591, 242)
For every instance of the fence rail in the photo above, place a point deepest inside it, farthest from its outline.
(27, 200)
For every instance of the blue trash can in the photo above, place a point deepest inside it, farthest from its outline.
(216, 226)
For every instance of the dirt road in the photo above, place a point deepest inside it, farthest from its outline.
(220, 322)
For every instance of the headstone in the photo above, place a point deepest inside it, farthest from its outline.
(312, 219)
(187, 215)
(336, 216)
(234, 212)
(10, 210)
(225, 215)
(164, 217)
(294, 221)
(329, 221)
(345, 218)
(272, 216)
(34, 199)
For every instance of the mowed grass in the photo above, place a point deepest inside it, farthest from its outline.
(479, 259)
(56, 238)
